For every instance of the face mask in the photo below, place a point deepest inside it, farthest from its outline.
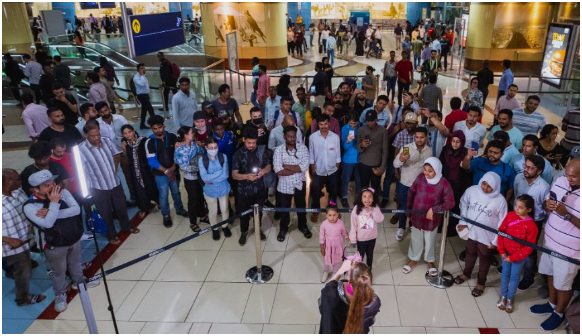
(202, 129)
(258, 121)
(212, 152)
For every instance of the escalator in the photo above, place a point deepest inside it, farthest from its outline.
(63, 46)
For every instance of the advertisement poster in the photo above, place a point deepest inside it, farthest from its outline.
(521, 27)
(555, 53)
(243, 18)
(341, 10)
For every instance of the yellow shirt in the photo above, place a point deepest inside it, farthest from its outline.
(299, 19)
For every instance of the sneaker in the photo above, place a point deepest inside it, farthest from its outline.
(384, 203)
(345, 203)
(90, 284)
(243, 239)
(324, 276)
(226, 232)
(553, 322)
(216, 234)
(168, 221)
(541, 309)
(525, 284)
(183, 213)
(87, 236)
(61, 303)
(399, 234)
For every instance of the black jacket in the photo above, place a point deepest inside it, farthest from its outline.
(166, 73)
(161, 152)
(485, 77)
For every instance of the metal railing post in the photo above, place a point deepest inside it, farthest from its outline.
(570, 95)
(230, 72)
(87, 307)
(528, 82)
(377, 85)
(258, 274)
(444, 279)
(245, 89)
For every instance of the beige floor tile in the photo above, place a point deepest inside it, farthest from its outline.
(106, 327)
(157, 265)
(151, 236)
(200, 243)
(288, 329)
(272, 244)
(431, 330)
(297, 241)
(220, 302)
(166, 328)
(232, 266)
(521, 316)
(416, 276)
(310, 264)
(133, 272)
(167, 302)
(134, 298)
(465, 308)
(521, 331)
(260, 303)
(230, 328)
(382, 269)
(200, 328)
(296, 304)
(389, 314)
(399, 330)
(188, 266)
(56, 327)
(494, 318)
(434, 310)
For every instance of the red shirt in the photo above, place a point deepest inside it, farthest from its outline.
(403, 69)
(523, 228)
(69, 164)
(453, 118)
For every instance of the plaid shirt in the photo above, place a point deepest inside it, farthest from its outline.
(298, 156)
(14, 223)
(402, 139)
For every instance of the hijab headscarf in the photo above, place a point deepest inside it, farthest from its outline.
(438, 168)
(494, 181)
(454, 157)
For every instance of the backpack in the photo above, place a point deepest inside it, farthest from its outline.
(277, 116)
(206, 163)
(175, 71)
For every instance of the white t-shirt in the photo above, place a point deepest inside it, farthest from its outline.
(477, 133)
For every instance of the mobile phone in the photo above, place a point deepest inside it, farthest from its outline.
(553, 196)
(475, 146)
(312, 89)
(351, 133)
(406, 151)
(367, 137)
(359, 85)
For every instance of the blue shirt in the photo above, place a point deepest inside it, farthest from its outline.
(509, 153)
(183, 156)
(481, 165)
(142, 85)
(215, 178)
(271, 106)
(528, 123)
(518, 162)
(227, 144)
(383, 118)
(350, 149)
(538, 189)
(506, 80)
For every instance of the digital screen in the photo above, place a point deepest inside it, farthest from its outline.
(89, 5)
(155, 32)
(555, 53)
(107, 4)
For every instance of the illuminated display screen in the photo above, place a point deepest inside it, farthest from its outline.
(555, 53)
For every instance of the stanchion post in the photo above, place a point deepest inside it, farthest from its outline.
(87, 308)
(258, 274)
(443, 279)
(245, 89)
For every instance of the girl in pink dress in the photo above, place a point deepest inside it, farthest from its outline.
(331, 241)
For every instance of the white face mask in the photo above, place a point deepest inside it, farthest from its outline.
(202, 129)
(212, 152)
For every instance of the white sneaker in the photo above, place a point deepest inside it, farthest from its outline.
(324, 276)
(61, 303)
(90, 284)
(87, 236)
(399, 235)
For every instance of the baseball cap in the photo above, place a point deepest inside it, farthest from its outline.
(199, 115)
(410, 117)
(41, 177)
(206, 104)
(575, 152)
(371, 115)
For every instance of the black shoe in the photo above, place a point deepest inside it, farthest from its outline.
(306, 233)
(33, 263)
(215, 234)
(131, 203)
(384, 203)
(143, 127)
(243, 239)
(493, 260)
(226, 232)
(263, 237)
(183, 213)
(161, 109)
(345, 203)
(168, 221)
(525, 284)
(269, 204)
(277, 216)
(463, 255)
(499, 270)
(205, 220)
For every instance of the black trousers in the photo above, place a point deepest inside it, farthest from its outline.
(445, 56)
(366, 248)
(331, 184)
(15, 92)
(285, 202)
(401, 88)
(167, 88)
(246, 202)
(196, 203)
(146, 107)
(37, 93)
(109, 201)
(369, 179)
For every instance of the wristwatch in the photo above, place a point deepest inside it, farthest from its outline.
(568, 217)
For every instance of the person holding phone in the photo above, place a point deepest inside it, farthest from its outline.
(373, 152)
(349, 158)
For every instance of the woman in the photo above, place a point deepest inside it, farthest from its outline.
(451, 157)
(349, 306)
(186, 157)
(484, 204)
(143, 180)
(433, 193)
(299, 40)
(549, 147)
(360, 38)
(474, 97)
(214, 174)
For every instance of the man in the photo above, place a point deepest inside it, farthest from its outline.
(436, 46)
(444, 51)
(290, 162)
(416, 50)
(284, 110)
(491, 161)
(506, 78)
(398, 35)
(58, 230)
(13, 72)
(277, 137)
(404, 73)
(208, 109)
(510, 150)
(411, 162)
(16, 239)
(341, 111)
(256, 122)
(97, 91)
(407, 45)
(88, 112)
(369, 31)
(330, 45)
(33, 71)
(349, 158)
(262, 91)
(184, 104)
(571, 126)
(201, 129)
(431, 96)
(358, 102)
(142, 90)
(160, 154)
(168, 78)
(60, 156)
(59, 128)
(372, 152)
(437, 132)
(62, 72)
(529, 146)
(473, 130)
(333, 124)
(46, 83)
(272, 104)
(256, 75)
(227, 141)
(111, 96)
(250, 165)
(485, 77)
(531, 183)
(562, 234)
(528, 119)
(64, 101)
(302, 105)
(324, 161)
(224, 102)
(505, 123)
(456, 114)
(432, 65)
(383, 116)
(425, 55)
(34, 116)
(319, 84)
(407, 102)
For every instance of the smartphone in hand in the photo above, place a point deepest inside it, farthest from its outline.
(475, 146)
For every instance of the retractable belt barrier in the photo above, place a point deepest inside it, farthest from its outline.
(345, 210)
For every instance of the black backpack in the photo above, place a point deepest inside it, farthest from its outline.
(206, 163)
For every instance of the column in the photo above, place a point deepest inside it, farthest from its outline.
(15, 21)
(414, 10)
(68, 9)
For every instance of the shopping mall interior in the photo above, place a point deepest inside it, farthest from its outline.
(178, 279)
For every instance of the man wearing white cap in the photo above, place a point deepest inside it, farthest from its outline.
(58, 230)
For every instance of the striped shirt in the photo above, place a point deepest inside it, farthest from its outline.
(14, 223)
(528, 123)
(100, 169)
(561, 235)
(572, 122)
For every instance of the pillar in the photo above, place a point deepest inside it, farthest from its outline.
(68, 9)
(15, 21)
(414, 10)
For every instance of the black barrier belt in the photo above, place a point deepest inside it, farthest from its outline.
(346, 210)
(521, 241)
(169, 246)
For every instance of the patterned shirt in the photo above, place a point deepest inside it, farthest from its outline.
(430, 96)
(186, 157)
(14, 223)
(561, 235)
(402, 139)
(98, 164)
(298, 156)
(528, 123)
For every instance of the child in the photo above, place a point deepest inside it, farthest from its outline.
(331, 232)
(518, 223)
(365, 219)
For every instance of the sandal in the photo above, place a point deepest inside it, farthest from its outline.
(433, 272)
(459, 280)
(406, 269)
(141, 214)
(205, 220)
(134, 230)
(195, 227)
(281, 236)
(115, 241)
(509, 306)
(33, 299)
(476, 292)
(501, 303)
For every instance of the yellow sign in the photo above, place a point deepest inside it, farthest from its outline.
(136, 26)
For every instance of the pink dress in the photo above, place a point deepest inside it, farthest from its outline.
(333, 235)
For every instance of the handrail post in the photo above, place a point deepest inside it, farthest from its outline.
(261, 273)
(443, 279)
(528, 82)
(246, 102)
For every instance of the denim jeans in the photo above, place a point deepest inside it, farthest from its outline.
(163, 185)
(530, 266)
(416, 61)
(349, 169)
(330, 54)
(402, 194)
(510, 277)
(391, 86)
(388, 179)
(254, 99)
